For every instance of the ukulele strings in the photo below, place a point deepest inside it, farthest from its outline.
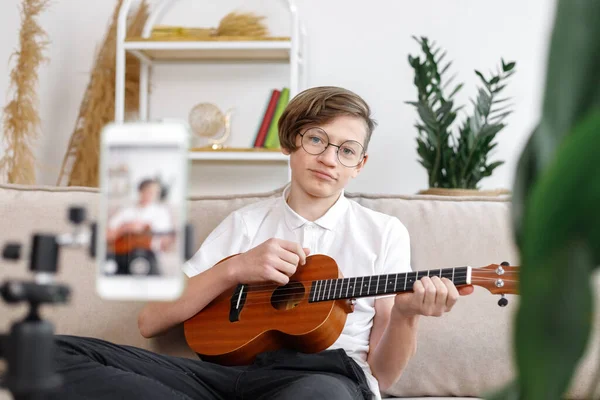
(458, 274)
(270, 287)
(283, 288)
(264, 296)
(285, 292)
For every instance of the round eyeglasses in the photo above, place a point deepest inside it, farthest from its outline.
(315, 141)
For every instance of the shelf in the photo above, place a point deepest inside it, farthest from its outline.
(237, 155)
(187, 50)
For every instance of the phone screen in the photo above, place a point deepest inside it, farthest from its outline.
(144, 205)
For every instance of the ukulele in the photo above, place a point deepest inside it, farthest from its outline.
(309, 313)
(130, 241)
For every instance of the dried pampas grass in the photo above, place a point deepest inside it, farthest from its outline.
(80, 164)
(235, 25)
(242, 24)
(21, 121)
(167, 32)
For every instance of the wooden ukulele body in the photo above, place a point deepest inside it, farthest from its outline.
(128, 242)
(270, 318)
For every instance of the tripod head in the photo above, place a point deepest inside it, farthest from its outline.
(29, 347)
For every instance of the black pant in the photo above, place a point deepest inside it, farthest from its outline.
(97, 369)
(124, 262)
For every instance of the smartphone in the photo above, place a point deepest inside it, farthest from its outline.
(140, 239)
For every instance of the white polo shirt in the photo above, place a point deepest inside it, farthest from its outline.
(360, 240)
(155, 215)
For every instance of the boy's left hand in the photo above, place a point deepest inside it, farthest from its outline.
(430, 297)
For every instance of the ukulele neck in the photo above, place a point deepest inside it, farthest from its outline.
(367, 286)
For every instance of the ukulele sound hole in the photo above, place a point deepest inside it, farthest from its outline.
(288, 296)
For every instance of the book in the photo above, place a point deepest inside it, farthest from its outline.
(272, 139)
(267, 118)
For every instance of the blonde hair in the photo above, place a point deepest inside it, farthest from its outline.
(320, 105)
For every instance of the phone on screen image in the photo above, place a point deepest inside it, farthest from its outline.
(142, 211)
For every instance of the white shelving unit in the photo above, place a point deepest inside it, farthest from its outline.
(150, 52)
(166, 51)
(238, 156)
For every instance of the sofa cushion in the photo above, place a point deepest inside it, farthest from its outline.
(464, 353)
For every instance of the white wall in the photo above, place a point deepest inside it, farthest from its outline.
(357, 44)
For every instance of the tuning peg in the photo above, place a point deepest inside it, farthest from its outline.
(503, 302)
(505, 263)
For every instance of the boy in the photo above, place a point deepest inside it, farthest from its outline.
(326, 132)
(148, 218)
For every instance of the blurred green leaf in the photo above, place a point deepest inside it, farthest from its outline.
(572, 88)
(556, 198)
(508, 392)
(555, 312)
(556, 215)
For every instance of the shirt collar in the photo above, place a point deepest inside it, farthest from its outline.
(328, 221)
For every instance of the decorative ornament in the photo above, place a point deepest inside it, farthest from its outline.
(207, 121)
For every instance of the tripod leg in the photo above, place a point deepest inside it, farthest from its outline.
(30, 359)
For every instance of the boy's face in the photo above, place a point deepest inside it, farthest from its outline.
(323, 175)
(149, 194)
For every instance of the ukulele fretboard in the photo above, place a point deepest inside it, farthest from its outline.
(366, 286)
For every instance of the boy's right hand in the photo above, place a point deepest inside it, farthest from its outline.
(275, 260)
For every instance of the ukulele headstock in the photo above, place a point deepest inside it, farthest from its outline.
(499, 279)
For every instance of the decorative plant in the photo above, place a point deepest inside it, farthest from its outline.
(456, 161)
(21, 119)
(80, 162)
(556, 213)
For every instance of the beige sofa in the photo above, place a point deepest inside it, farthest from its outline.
(466, 353)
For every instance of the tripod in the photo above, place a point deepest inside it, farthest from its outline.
(29, 347)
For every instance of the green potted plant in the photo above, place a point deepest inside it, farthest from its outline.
(456, 163)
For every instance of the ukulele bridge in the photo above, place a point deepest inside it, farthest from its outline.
(237, 302)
